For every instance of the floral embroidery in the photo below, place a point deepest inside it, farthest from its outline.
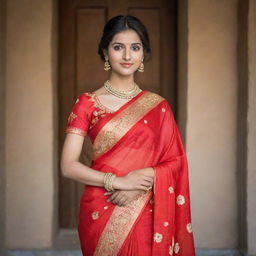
(189, 228)
(95, 215)
(158, 237)
(117, 127)
(71, 117)
(101, 110)
(176, 248)
(171, 190)
(166, 224)
(180, 200)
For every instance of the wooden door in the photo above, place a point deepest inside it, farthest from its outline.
(81, 24)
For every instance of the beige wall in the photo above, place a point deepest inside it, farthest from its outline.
(30, 124)
(207, 111)
(2, 122)
(211, 120)
(251, 136)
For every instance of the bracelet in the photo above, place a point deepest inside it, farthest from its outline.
(108, 181)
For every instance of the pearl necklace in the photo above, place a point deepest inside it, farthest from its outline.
(122, 94)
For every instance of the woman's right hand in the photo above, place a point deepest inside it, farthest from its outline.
(134, 180)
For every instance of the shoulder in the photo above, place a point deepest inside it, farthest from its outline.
(84, 102)
(154, 96)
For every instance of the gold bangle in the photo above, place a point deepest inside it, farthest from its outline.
(108, 181)
(111, 181)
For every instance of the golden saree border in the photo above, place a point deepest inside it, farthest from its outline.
(120, 124)
(76, 131)
(119, 225)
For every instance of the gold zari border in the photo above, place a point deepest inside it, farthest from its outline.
(76, 131)
(120, 124)
(119, 225)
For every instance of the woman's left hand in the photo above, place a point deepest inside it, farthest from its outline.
(124, 197)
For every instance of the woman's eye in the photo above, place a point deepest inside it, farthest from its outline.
(117, 47)
(136, 48)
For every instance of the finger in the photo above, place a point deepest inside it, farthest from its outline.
(144, 188)
(122, 201)
(150, 179)
(146, 183)
(113, 196)
(116, 199)
(108, 193)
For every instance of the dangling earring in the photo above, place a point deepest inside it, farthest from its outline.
(107, 66)
(141, 67)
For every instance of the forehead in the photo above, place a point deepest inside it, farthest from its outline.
(126, 36)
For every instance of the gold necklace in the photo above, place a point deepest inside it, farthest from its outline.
(122, 94)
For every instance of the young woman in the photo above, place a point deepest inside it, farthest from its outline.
(136, 199)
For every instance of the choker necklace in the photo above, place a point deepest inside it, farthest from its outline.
(122, 94)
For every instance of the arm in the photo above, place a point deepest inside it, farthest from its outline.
(72, 168)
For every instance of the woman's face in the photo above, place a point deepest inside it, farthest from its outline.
(125, 52)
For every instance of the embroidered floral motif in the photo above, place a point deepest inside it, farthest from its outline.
(180, 200)
(171, 190)
(158, 237)
(71, 117)
(189, 228)
(100, 109)
(95, 215)
(166, 223)
(176, 248)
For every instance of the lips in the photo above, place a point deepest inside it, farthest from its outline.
(126, 65)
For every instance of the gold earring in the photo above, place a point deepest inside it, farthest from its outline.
(107, 66)
(141, 67)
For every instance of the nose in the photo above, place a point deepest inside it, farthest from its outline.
(127, 55)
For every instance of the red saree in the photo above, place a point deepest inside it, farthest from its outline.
(142, 133)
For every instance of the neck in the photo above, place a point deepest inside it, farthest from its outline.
(122, 83)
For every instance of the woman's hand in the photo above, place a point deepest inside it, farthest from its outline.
(135, 180)
(123, 198)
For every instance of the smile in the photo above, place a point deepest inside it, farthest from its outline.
(126, 65)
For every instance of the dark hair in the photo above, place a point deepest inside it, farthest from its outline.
(120, 23)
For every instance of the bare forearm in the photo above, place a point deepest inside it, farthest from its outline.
(82, 173)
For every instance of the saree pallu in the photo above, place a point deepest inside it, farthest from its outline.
(140, 134)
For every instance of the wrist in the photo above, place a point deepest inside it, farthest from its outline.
(117, 183)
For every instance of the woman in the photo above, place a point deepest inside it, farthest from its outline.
(136, 199)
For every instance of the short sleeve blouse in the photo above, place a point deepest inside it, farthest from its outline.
(78, 120)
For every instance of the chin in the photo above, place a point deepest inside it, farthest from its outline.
(127, 72)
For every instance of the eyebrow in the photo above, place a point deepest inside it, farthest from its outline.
(123, 44)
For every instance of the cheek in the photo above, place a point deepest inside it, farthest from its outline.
(115, 55)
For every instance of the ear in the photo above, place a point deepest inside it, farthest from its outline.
(105, 52)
